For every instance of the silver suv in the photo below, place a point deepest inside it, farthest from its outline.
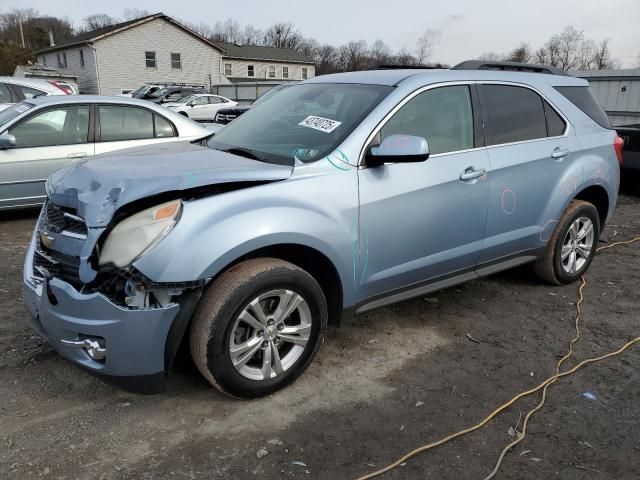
(340, 194)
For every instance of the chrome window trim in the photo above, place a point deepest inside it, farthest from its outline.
(420, 90)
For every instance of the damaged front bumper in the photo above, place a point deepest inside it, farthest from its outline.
(130, 347)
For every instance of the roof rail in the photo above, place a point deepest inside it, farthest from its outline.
(510, 66)
(402, 67)
(177, 84)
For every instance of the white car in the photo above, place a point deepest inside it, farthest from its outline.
(200, 106)
(14, 90)
(41, 135)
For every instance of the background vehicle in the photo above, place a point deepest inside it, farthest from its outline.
(41, 135)
(14, 90)
(200, 106)
(630, 134)
(343, 193)
(227, 114)
(146, 89)
(172, 93)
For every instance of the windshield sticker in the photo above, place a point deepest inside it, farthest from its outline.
(305, 154)
(325, 125)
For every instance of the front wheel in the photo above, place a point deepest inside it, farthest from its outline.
(572, 245)
(258, 327)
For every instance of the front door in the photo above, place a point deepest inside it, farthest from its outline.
(424, 221)
(45, 142)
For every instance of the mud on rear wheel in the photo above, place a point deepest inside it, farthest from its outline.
(572, 245)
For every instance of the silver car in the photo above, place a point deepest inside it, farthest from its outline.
(41, 135)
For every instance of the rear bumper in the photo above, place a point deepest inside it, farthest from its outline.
(134, 339)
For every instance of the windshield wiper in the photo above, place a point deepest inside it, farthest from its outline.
(243, 152)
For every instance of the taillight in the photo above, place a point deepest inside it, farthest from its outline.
(65, 88)
(618, 145)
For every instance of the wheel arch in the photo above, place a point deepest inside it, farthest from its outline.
(311, 260)
(598, 196)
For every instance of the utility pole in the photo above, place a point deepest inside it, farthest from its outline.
(21, 31)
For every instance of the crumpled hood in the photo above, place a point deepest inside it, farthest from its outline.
(97, 187)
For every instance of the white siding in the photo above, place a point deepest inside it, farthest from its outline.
(86, 76)
(261, 69)
(121, 57)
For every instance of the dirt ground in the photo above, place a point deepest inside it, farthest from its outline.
(383, 384)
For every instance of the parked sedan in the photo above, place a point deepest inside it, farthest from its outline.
(200, 106)
(41, 135)
(14, 90)
(172, 93)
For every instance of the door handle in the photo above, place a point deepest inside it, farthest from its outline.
(471, 174)
(77, 155)
(559, 152)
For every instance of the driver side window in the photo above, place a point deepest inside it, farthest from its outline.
(60, 126)
(443, 116)
(200, 101)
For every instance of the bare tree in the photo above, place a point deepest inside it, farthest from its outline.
(283, 35)
(425, 45)
(491, 57)
(326, 59)
(98, 20)
(566, 46)
(602, 56)
(380, 52)
(134, 13)
(541, 55)
(404, 57)
(520, 54)
(252, 35)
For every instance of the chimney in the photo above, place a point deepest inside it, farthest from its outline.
(51, 42)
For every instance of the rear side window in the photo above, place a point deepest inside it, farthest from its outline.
(513, 114)
(163, 128)
(125, 123)
(582, 97)
(555, 124)
(29, 92)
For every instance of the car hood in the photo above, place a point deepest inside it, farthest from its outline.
(99, 186)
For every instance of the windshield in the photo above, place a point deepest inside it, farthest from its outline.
(306, 121)
(269, 94)
(185, 99)
(160, 93)
(13, 111)
(142, 89)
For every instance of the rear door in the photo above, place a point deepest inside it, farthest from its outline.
(126, 126)
(46, 141)
(424, 222)
(529, 144)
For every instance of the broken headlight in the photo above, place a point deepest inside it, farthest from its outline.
(136, 235)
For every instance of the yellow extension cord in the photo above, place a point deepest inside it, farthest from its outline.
(543, 386)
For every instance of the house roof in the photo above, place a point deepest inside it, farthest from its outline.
(255, 52)
(93, 35)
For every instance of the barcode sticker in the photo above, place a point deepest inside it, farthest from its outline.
(319, 123)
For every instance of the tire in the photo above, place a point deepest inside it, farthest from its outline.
(227, 314)
(551, 267)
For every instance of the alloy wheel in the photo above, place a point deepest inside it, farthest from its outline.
(577, 245)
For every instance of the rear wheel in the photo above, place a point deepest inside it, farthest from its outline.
(258, 327)
(572, 245)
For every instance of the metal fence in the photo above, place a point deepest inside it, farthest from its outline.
(618, 91)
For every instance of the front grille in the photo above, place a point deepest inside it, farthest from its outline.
(62, 220)
(47, 262)
(50, 263)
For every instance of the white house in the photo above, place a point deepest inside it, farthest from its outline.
(156, 48)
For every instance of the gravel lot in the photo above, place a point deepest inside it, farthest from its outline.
(383, 384)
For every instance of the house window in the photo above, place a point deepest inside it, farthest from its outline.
(150, 59)
(64, 60)
(59, 58)
(272, 71)
(305, 73)
(251, 72)
(176, 61)
(285, 72)
(82, 58)
(227, 69)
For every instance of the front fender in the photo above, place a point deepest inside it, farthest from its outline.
(214, 232)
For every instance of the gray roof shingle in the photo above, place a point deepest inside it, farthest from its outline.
(255, 52)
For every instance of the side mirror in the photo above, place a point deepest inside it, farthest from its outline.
(398, 149)
(7, 141)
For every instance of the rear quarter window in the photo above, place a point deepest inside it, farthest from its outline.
(583, 98)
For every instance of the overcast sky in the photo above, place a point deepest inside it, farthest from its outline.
(469, 27)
